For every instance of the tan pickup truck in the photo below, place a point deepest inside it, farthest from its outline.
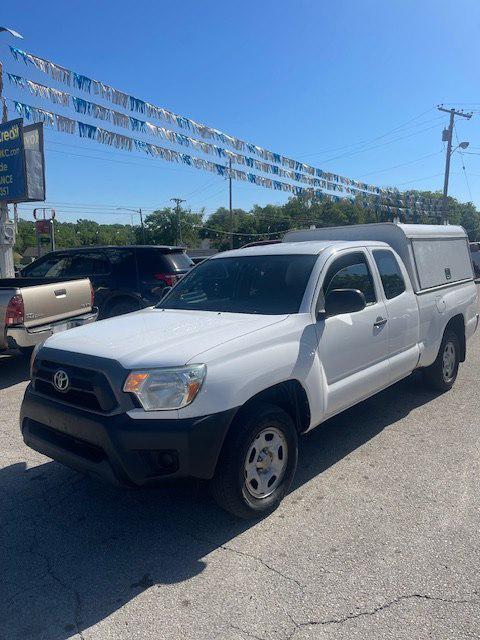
(32, 309)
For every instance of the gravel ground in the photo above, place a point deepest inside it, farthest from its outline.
(377, 540)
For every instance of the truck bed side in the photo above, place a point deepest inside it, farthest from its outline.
(437, 307)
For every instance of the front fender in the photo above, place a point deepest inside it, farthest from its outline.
(244, 367)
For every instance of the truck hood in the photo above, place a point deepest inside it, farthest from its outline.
(159, 338)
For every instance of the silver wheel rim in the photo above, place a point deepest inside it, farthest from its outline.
(265, 463)
(449, 361)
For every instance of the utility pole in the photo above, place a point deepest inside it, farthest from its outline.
(230, 201)
(143, 228)
(178, 232)
(138, 212)
(447, 137)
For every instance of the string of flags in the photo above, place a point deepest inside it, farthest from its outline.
(127, 143)
(133, 104)
(319, 182)
(128, 122)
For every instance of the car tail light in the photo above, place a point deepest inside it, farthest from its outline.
(92, 295)
(168, 278)
(15, 311)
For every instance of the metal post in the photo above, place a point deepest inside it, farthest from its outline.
(230, 201)
(178, 231)
(6, 251)
(143, 227)
(447, 165)
(52, 233)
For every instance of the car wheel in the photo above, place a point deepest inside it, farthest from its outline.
(257, 463)
(441, 375)
(26, 351)
(121, 308)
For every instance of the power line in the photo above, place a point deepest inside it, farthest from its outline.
(217, 193)
(435, 175)
(383, 144)
(403, 164)
(463, 164)
(370, 140)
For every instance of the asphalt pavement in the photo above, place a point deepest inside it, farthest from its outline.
(377, 540)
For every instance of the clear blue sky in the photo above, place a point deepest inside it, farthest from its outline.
(308, 79)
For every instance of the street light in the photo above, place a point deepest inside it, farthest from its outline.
(461, 145)
(138, 212)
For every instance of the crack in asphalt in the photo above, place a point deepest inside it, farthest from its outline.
(225, 547)
(377, 609)
(78, 608)
(265, 564)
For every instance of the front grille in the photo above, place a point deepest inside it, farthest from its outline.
(88, 389)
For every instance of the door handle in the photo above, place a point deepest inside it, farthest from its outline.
(60, 293)
(379, 322)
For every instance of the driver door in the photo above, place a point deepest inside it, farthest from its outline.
(353, 346)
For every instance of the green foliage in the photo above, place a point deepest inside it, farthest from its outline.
(76, 234)
(260, 223)
(166, 227)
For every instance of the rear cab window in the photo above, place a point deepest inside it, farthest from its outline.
(89, 263)
(390, 273)
(152, 262)
(48, 267)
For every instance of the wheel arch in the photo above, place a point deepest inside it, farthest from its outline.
(457, 325)
(117, 298)
(290, 396)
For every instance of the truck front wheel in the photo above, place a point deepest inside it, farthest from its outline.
(257, 463)
(441, 375)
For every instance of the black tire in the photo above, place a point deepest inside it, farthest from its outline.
(122, 307)
(26, 351)
(437, 376)
(229, 484)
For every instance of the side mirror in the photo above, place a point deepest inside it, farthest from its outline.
(165, 291)
(343, 301)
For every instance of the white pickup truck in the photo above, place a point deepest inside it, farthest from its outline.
(251, 349)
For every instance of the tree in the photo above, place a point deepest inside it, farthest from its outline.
(166, 227)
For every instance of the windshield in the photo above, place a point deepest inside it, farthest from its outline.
(268, 284)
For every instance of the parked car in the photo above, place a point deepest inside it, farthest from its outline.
(475, 254)
(124, 279)
(32, 309)
(253, 348)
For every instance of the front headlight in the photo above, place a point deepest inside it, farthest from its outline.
(163, 389)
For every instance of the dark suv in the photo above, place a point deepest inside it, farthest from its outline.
(124, 278)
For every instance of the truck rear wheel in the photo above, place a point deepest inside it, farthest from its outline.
(257, 463)
(441, 375)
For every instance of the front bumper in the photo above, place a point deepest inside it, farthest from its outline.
(122, 450)
(23, 337)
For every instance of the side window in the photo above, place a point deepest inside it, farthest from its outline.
(351, 271)
(89, 264)
(49, 267)
(390, 274)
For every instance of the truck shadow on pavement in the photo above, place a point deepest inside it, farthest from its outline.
(75, 551)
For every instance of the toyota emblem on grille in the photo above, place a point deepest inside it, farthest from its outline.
(61, 381)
